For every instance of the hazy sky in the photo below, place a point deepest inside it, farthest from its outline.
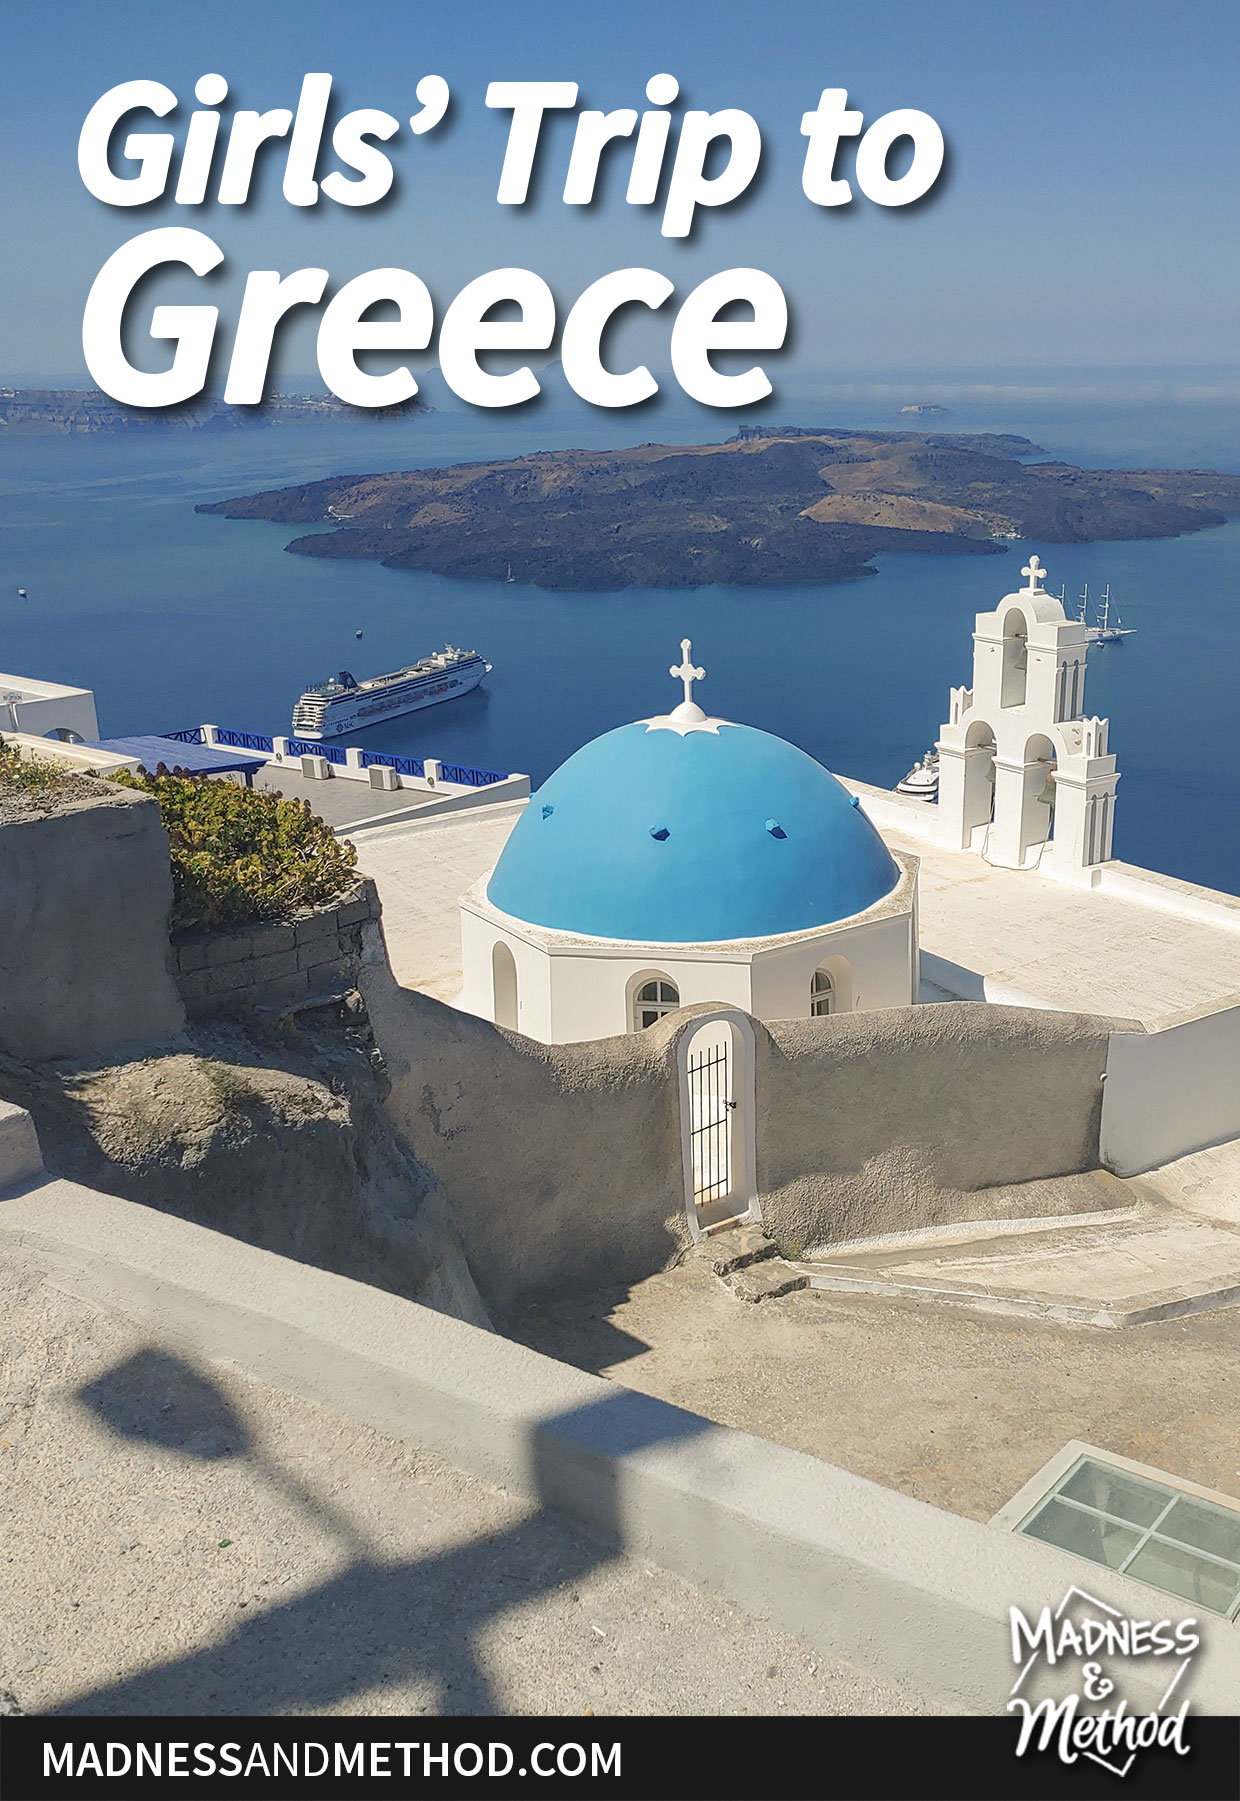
(1089, 214)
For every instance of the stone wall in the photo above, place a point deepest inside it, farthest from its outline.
(316, 951)
(869, 1123)
(85, 892)
(20, 1156)
(563, 1164)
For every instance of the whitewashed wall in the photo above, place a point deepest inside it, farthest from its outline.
(1171, 1092)
(45, 708)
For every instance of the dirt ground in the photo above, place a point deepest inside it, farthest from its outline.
(276, 1137)
(955, 1408)
(183, 1539)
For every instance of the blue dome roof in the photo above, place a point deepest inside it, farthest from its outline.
(651, 836)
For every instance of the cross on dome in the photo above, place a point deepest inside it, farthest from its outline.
(1034, 570)
(688, 716)
(687, 673)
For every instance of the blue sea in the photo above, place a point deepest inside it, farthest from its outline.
(175, 619)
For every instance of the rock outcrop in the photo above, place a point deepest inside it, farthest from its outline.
(276, 1138)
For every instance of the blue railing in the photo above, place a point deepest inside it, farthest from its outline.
(470, 778)
(456, 773)
(246, 741)
(300, 747)
(402, 765)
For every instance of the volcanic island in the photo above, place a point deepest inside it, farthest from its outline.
(769, 506)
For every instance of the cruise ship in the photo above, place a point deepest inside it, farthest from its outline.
(344, 704)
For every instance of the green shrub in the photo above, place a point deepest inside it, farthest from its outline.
(241, 854)
(33, 775)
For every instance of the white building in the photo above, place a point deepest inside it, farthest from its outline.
(47, 710)
(682, 859)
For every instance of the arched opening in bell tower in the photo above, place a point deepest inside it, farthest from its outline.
(979, 775)
(1038, 811)
(1015, 659)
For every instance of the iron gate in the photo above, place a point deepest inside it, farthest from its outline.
(710, 1122)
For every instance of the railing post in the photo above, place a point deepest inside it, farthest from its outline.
(431, 767)
(210, 735)
(353, 761)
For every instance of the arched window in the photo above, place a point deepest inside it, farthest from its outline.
(504, 986)
(821, 994)
(653, 1000)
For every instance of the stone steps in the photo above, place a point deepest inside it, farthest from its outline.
(748, 1263)
(766, 1281)
(736, 1248)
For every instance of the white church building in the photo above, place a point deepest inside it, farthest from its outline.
(688, 861)
(687, 858)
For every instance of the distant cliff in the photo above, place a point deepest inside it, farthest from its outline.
(69, 412)
(771, 505)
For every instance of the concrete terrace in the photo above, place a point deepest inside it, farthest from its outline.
(421, 870)
(342, 804)
(1082, 952)
(1019, 931)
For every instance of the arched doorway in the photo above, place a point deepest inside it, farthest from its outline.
(504, 986)
(717, 1110)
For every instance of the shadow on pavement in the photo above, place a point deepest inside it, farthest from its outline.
(374, 1622)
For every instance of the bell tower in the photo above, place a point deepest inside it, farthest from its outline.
(1023, 773)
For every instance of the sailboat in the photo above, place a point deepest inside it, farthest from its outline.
(1106, 633)
(1103, 632)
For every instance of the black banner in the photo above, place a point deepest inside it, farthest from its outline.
(793, 1758)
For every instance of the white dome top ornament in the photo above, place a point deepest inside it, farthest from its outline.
(688, 716)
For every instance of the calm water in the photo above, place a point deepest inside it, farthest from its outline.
(173, 618)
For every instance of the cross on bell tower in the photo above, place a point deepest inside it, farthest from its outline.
(1034, 570)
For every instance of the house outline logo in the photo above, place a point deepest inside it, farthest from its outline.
(1116, 1734)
